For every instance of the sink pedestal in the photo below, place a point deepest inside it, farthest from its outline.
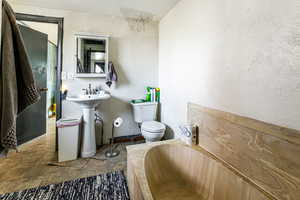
(88, 146)
(88, 104)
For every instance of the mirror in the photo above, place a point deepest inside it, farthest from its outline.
(91, 56)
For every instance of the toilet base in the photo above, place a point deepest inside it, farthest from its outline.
(152, 137)
(112, 154)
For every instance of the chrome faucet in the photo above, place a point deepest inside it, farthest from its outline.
(90, 89)
(189, 134)
(86, 91)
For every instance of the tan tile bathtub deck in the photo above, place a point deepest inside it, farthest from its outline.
(30, 166)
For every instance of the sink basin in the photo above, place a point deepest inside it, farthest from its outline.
(88, 104)
(88, 100)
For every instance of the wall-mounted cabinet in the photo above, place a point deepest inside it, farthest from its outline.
(91, 56)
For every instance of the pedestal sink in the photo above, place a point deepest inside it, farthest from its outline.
(88, 104)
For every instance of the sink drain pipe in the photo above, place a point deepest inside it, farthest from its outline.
(99, 120)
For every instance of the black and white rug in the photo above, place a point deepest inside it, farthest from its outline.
(110, 186)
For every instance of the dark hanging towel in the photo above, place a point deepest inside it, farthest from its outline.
(17, 86)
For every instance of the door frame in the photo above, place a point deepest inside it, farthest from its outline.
(60, 34)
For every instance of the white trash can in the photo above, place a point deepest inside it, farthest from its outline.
(68, 139)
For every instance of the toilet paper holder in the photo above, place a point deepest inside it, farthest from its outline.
(113, 152)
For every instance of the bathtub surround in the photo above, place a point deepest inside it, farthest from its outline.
(136, 177)
(238, 56)
(266, 154)
(237, 158)
(153, 172)
(135, 55)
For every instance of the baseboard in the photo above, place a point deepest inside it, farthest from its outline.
(130, 138)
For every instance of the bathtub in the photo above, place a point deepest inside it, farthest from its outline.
(172, 170)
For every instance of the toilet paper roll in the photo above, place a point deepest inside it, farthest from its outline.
(118, 122)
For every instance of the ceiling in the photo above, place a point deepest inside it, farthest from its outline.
(158, 8)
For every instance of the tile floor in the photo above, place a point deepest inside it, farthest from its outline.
(36, 164)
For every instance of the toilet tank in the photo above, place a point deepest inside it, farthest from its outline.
(144, 111)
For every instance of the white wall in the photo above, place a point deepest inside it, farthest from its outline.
(135, 56)
(238, 56)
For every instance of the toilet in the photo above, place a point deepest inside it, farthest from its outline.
(145, 115)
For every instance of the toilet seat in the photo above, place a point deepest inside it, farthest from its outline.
(153, 127)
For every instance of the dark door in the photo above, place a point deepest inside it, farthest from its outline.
(32, 122)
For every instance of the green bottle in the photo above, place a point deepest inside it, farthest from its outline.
(148, 96)
(157, 94)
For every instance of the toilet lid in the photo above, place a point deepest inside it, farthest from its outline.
(153, 126)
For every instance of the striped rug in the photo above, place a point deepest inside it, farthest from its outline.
(111, 186)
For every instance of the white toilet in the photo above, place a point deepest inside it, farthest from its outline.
(145, 115)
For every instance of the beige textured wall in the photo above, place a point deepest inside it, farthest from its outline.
(238, 56)
(135, 56)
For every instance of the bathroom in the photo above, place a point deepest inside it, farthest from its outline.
(237, 60)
